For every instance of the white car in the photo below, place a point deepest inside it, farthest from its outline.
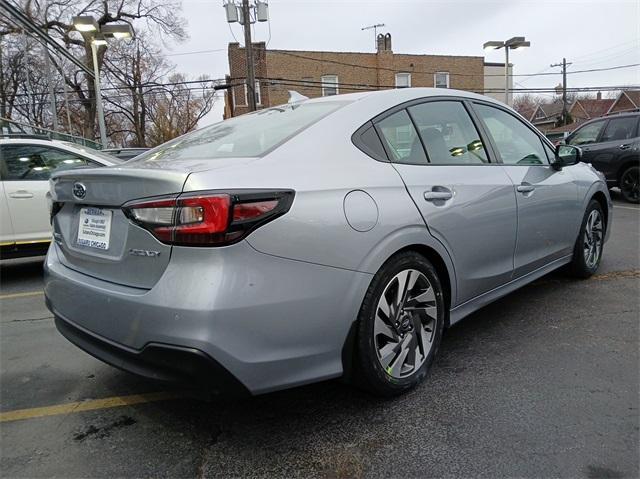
(25, 167)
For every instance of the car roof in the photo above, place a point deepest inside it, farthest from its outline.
(400, 95)
(63, 145)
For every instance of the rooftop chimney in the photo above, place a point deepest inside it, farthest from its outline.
(384, 42)
(599, 95)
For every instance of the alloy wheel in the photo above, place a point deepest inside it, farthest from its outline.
(592, 244)
(630, 184)
(405, 323)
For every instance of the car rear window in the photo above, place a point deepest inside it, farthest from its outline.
(249, 135)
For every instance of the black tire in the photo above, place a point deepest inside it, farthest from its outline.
(580, 266)
(369, 371)
(630, 184)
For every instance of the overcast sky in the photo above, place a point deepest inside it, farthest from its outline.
(591, 34)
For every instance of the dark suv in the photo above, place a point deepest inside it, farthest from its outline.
(612, 145)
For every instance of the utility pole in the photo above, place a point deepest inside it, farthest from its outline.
(565, 112)
(241, 12)
(251, 76)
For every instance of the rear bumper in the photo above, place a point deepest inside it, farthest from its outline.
(160, 362)
(270, 322)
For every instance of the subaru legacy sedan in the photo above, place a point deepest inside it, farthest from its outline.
(325, 238)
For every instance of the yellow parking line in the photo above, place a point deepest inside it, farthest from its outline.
(21, 295)
(81, 406)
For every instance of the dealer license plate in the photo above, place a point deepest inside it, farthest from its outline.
(94, 228)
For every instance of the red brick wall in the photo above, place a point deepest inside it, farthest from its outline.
(371, 69)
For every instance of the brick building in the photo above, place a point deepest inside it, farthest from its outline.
(313, 73)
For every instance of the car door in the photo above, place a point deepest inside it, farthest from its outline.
(586, 137)
(547, 199)
(466, 200)
(614, 145)
(6, 227)
(27, 168)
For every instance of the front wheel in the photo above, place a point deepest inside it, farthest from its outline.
(400, 325)
(630, 184)
(587, 252)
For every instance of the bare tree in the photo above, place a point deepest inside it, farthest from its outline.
(134, 69)
(176, 109)
(55, 17)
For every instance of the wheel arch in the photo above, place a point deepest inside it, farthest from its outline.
(439, 258)
(625, 164)
(600, 197)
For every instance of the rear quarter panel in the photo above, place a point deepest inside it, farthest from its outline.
(322, 165)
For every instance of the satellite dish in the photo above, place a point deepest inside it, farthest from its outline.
(295, 97)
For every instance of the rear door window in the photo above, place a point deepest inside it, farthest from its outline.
(448, 133)
(620, 129)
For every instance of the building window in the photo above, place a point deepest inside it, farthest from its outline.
(403, 80)
(329, 85)
(258, 93)
(441, 79)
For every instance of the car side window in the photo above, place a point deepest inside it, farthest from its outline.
(620, 129)
(587, 134)
(517, 144)
(401, 138)
(370, 143)
(36, 163)
(448, 133)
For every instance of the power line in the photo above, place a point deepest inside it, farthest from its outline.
(178, 54)
(368, 67)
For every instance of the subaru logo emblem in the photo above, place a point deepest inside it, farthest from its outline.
(79, 191)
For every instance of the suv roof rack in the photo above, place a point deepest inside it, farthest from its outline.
(634, 110)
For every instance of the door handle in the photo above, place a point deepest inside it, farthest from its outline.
(438, 193)
(525, 188)
(21, 194)
(624, 147)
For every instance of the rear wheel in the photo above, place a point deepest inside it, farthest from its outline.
(587, 252)
(400, 325)
(630, 184)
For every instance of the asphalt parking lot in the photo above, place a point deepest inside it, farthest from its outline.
(543, 383)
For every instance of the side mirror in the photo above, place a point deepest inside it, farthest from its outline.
(566, 155)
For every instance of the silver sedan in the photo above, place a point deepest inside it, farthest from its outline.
(323, 238)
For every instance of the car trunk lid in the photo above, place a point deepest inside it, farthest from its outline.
(94, 236)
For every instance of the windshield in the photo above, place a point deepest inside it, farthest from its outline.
(248, 135)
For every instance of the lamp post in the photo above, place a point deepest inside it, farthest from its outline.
(511, 44)
(97, 36)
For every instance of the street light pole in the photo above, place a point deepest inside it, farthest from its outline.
(506, 75)
(99, 110)
(511, 44)
(96, 36)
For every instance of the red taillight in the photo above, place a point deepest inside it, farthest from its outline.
(208, 219)
(252, 210)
